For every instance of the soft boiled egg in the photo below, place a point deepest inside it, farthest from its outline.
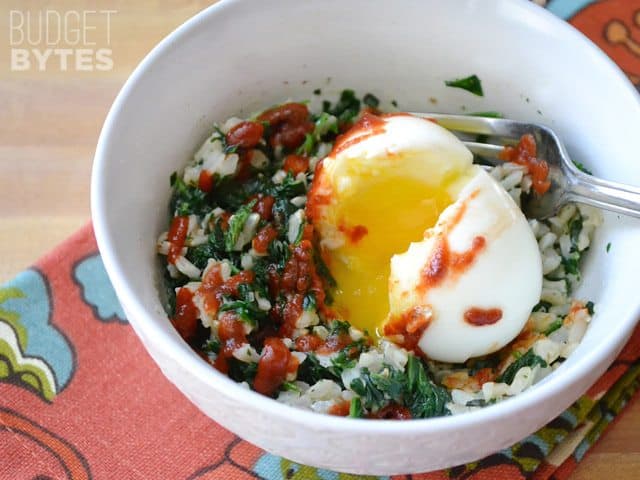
(472, 271)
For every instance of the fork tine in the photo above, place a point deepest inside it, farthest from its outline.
(487, 151)
(478, 125)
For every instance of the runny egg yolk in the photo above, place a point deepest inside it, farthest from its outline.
(395, 211)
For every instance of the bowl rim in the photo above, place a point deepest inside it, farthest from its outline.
(143, 320)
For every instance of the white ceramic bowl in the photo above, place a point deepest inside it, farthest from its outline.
(241, 56)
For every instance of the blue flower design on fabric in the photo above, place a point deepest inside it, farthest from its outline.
(97, 292)
(567, 8)
(33, 353)
(278, 468)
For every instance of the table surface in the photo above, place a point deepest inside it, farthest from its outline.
(49, 125)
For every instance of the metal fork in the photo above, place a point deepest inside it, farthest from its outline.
(568, 183)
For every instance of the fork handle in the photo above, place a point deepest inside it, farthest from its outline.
(596, 192)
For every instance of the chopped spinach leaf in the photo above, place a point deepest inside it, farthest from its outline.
(310, 371)
(394, 103)
(412, 389)
(339, 327)
(236, 223)
(326, 125)
(571, 264)
(590, 306)
(214, 248)
(308, 146)
(608, 247)
(580, 166)
(245, 306)
(424, 398)
(371, 397)
(309, 302)
(279, 254)
(489, 114)
(246, 311)
(188, 199)
(241, 371)
(355, 408)
(317, 91)
(290, 387)
(211, 346)
(478, 364)
(555, 325)
(542, 306)
(529, 359)
(341, 362)
(393, 385)
(575, 227)
(346, 108)
(371, 100)
(471, 84)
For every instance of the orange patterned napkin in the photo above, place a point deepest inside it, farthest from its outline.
(81, 399)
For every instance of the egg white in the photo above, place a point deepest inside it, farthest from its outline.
(506, 275)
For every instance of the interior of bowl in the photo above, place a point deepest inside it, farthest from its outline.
(235, 59)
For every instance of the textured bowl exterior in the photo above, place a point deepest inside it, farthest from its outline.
(234, 58)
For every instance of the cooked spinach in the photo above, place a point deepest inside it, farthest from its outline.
(372, 398)
(471, 84)
(371, 100)
(411, 388)
(580, 166)
(236, 224)
(339, 327)
(188, 199)
(489, 114)
(212, 346)
(424, 398)
(346, 108)
(310, 371)
(341, 362)
(242, 371)
(478, 364)
(542, 306)
(529, 359)
(555, 325)
(590, 306)
(355, 408)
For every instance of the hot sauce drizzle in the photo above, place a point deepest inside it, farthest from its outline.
(177, 236)
(367, 126)
(232, 335)
(264, 205)
(525, 154)
(295, 164)
(409, 327)
(185, 319)
(205, 181)
(479, 316)
(354, 234)
(263, 239)
(298, 278)
(444, 263)
(289, 124)
(392, 411)
(272, 367)
(245, 135)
